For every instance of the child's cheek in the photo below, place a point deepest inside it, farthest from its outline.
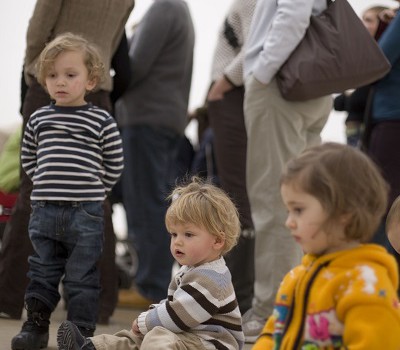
(394, 238)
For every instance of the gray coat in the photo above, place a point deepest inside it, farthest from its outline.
(161, 55)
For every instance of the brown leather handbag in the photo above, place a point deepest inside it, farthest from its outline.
(337, 53)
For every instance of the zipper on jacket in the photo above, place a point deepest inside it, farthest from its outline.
(305, 303)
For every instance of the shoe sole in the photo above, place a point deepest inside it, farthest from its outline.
(66, 337)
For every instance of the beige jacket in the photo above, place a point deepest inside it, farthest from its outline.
(99, 21)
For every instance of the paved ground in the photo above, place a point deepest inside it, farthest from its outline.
(121, 319)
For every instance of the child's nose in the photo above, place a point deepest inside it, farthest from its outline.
(289, 223)
(178, 240)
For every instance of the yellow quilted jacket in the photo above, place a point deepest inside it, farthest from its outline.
(342, 300)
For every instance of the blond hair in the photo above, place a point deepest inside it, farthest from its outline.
(345, 181)
(207, 206)
(70, 42)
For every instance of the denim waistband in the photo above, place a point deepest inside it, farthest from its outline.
(59, 203)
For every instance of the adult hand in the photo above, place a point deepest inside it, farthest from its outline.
(219, 88)
(387, 15)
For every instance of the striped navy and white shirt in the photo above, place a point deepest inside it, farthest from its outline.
(71, 153)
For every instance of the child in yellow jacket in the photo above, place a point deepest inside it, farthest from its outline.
(343, 295)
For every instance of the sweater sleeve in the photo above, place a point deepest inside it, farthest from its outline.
(389, 42)
(229, 51)
(242, 17)
(112, 154)
(39, 32)
(289, 26)
(28, 150)
(265, 340)
(192, 303)
(369, 310)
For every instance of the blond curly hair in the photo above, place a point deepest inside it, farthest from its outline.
(207, 206)
(70, 42)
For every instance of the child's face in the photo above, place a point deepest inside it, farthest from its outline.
(394, 236)
(67, 81)
(306, 219)
(192, 245)
(371, 21)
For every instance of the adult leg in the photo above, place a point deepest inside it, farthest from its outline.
(16, 246)
(277, 131)
(383, 147)
(230, 144)
(108, 270)
(150, 155)
(107, 263)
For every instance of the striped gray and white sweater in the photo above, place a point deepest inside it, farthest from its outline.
(201, 300)
(71, 153)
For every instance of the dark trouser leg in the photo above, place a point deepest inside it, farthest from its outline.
(230, 143)
(107, 265)
(383, 149)
(150, 158)
(108, 270)
(16, 246)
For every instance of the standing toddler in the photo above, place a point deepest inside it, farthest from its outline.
(72, 152)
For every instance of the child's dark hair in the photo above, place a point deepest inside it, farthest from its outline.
(345, 181)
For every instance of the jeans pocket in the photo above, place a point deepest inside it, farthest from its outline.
(93, 210)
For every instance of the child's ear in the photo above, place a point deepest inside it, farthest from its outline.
(219, 241)
(345, 218)
(91, 84)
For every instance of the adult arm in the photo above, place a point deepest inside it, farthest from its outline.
(121, 65)
(240, 16)
(390, 39)
(41, 24)
(285, 33)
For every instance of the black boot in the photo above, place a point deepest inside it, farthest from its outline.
(70, 337)
(34, 334)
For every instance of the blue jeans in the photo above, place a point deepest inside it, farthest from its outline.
(149, 172)
(67, 238)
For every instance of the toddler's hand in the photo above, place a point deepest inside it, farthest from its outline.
(135, 328)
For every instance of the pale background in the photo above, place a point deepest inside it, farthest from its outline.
(207, 16)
